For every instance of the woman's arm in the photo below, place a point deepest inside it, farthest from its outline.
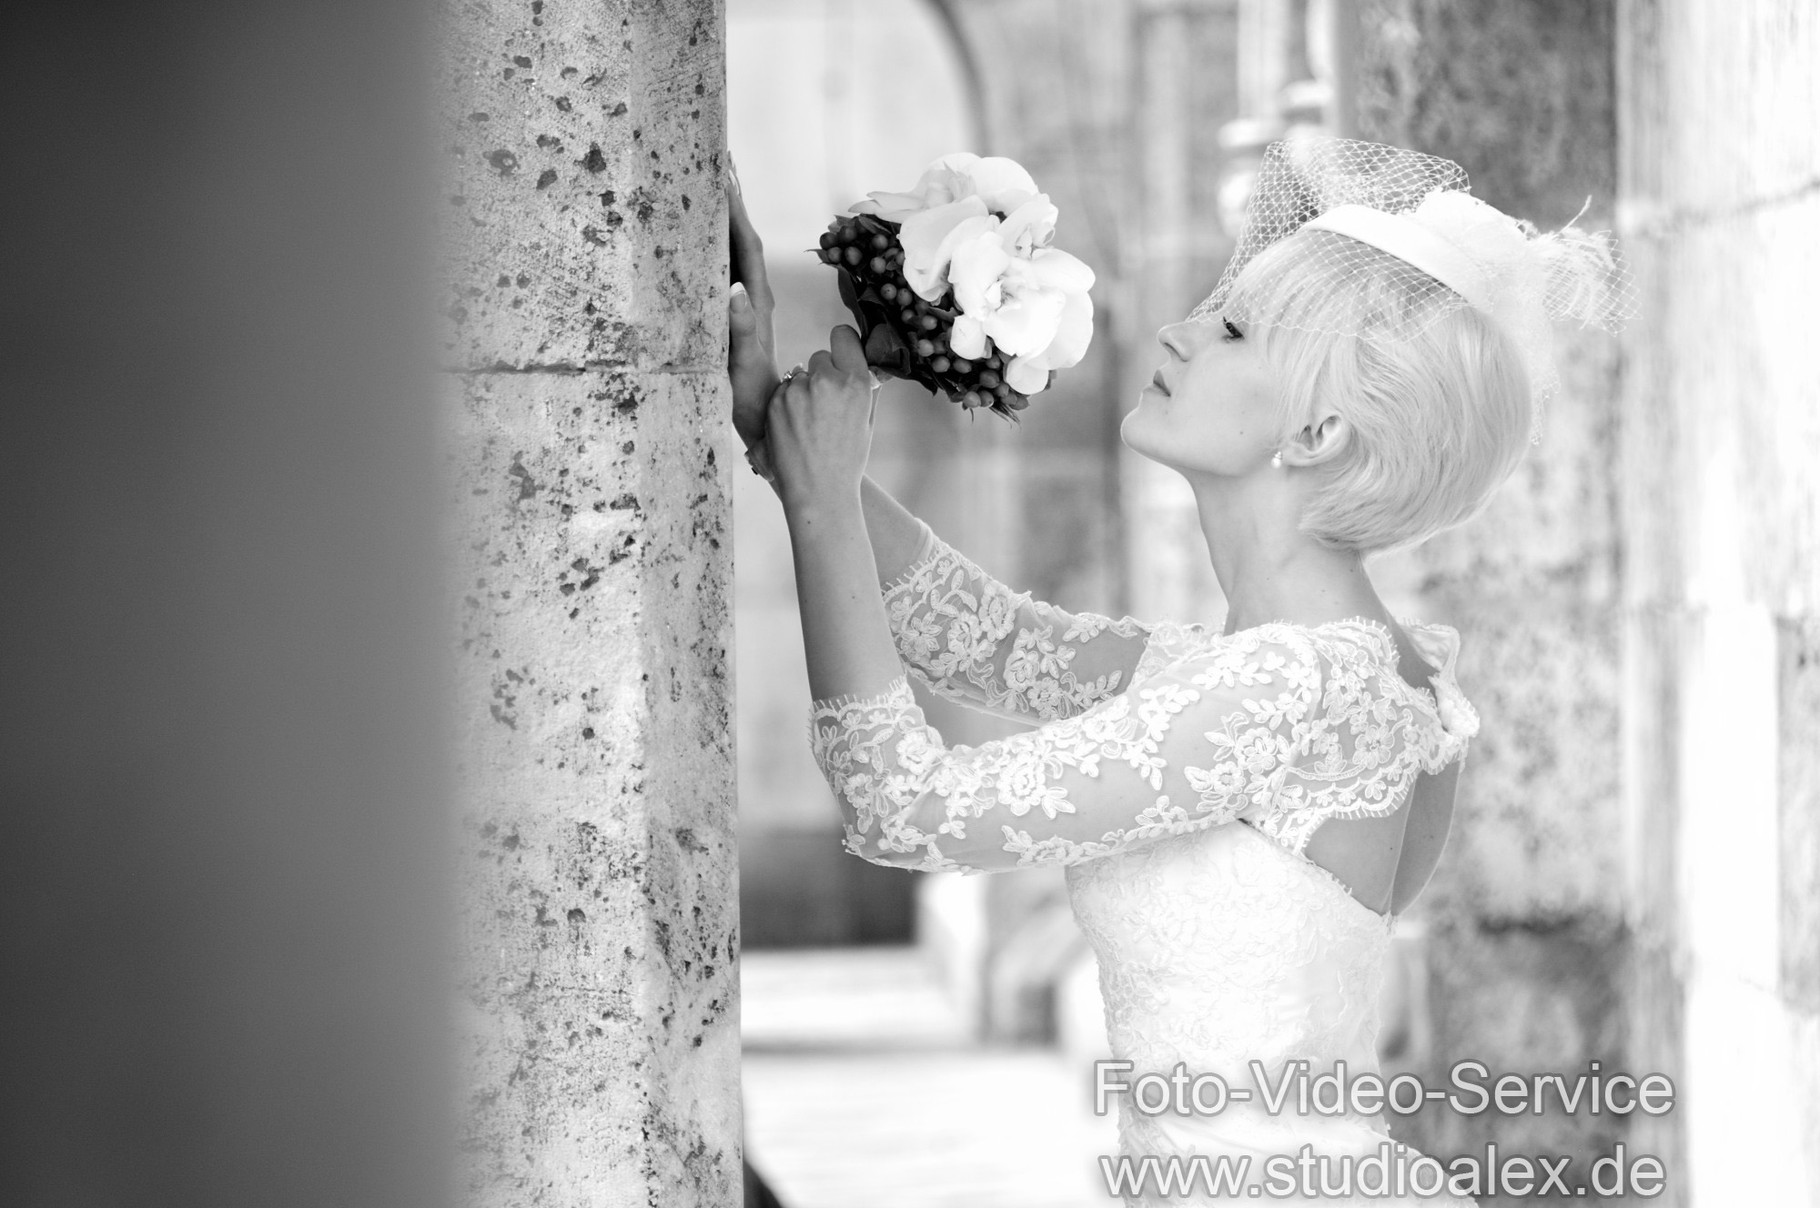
(963, 633)
(1277, 725)
(1193, 747)
(818, 426)
(973, 640)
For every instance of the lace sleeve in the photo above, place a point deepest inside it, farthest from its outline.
(1276, 725)
(973, 640)
(1189, 748)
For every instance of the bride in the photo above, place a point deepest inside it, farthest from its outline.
(1243, 807)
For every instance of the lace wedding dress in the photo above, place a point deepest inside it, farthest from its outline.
(1178, 774)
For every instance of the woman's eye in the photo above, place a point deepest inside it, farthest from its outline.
(1232, 333)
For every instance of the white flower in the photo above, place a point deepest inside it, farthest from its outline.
(978, 226)
(929, 238)
(1001, 184)
(1035, 309)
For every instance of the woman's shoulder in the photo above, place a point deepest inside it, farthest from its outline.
(1360, 651)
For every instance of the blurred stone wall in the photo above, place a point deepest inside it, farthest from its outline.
(588, 293)
(1524, 919)
(1721, 514)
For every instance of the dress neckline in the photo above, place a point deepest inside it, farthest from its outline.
(1439, 644)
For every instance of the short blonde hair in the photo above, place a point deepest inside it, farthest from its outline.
(1437, 396)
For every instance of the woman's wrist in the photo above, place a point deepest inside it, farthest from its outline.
(822, 508)
(758, 456)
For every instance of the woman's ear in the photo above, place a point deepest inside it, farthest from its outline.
(1318, 442)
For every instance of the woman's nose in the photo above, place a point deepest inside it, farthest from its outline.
(1177, 338)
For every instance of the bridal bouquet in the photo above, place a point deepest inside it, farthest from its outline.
(955, 286)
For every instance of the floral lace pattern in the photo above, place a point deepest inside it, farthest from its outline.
(1281, 725)
(1218, 945)
(971, 639)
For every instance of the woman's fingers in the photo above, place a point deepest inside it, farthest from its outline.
(748, 258)
(750, 367)
(847, 351)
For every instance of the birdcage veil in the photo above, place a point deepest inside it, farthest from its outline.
(1406, 229)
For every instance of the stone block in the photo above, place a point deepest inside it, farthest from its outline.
(585, 147)
(595, 746)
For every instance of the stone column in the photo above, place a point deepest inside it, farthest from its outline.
(1526, 942)
(1721, 511)
(595, 733)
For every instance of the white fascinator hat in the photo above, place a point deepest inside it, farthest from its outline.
(1446, 249)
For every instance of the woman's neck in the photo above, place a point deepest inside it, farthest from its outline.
(1271, 571)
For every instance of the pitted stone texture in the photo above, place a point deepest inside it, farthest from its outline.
(1535, 837)
(596, 755)
(586, 151)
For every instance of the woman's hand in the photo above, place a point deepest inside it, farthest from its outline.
(751, 346)
(819, 427)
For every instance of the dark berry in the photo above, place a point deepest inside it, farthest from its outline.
(878, 266)
(880, 242)
(852, 255)
(888, 292)
(924, 348)
(930, 322)
(970, 400)
(940, 364)
(908, 316)
(988, 378)
(962, 365)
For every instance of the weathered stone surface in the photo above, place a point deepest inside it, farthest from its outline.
(595, 737)
(1721, 430)
(588, 140)
(597, 760)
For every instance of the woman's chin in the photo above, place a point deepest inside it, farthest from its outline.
(1145, 428)
(1132, 431)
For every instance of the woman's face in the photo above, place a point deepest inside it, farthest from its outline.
(1212, 406)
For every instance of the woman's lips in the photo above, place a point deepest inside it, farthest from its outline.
(1159, 383)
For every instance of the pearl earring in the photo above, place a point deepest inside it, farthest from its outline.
(1276, 459)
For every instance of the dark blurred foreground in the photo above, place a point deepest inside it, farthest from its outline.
(218, 877)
